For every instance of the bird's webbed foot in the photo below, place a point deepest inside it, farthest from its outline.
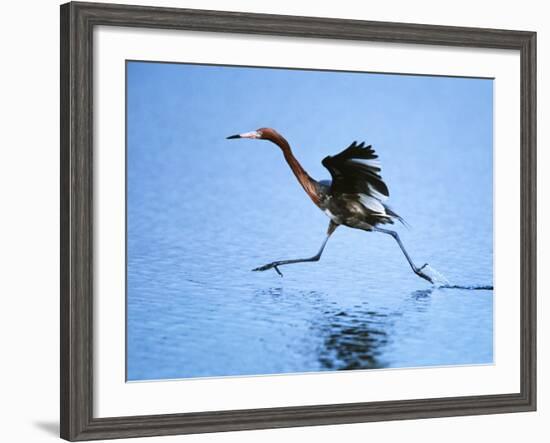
(273, 265)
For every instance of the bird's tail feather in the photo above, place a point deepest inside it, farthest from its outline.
(395, 215)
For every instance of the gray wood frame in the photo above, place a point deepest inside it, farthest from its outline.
(77, 24)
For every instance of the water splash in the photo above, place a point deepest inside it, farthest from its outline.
(440, 281)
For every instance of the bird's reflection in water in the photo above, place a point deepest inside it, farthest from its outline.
(344, 337)
(354, 341)
(422, 294)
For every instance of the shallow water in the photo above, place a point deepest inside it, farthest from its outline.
(203, 211)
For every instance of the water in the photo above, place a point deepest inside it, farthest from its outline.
(204, 211)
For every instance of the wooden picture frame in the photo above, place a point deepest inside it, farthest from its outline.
(77, 23)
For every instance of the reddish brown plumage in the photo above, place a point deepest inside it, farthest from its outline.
(309, 185)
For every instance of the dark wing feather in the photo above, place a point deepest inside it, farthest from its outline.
(356, 170)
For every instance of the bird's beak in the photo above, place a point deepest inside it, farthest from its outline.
(253, 134)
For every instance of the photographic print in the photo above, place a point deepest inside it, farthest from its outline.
(284, 221)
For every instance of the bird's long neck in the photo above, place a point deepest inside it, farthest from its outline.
(309, 184)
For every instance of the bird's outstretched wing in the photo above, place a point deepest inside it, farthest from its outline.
(357, 170)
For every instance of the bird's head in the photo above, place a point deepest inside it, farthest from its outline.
(259, 134)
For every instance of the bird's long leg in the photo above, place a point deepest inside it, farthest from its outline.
(275, 265)
(416, 270)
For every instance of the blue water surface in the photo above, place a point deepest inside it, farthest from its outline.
(202, 211)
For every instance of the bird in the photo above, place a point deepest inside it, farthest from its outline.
(355, 197)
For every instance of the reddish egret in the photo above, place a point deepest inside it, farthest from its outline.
(355, 197)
